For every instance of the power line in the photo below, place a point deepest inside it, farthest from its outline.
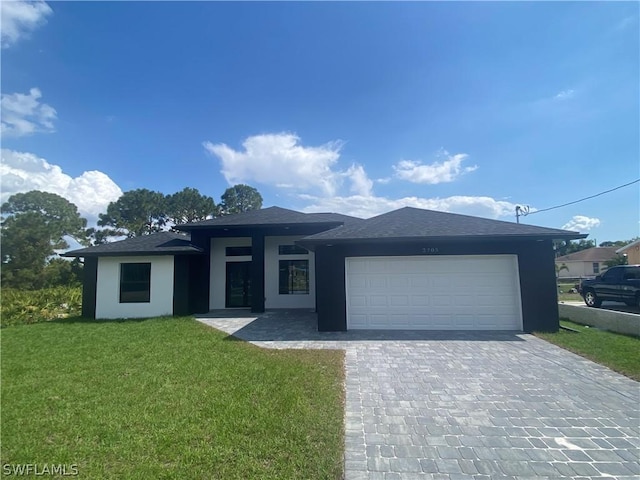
(524, 211)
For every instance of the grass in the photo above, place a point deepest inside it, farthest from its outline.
(618, 352)
(168, 398)
(21, 307)
(565, 296)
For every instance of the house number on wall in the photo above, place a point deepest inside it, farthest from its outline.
(429, 250)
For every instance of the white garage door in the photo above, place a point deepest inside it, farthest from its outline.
(459, 292)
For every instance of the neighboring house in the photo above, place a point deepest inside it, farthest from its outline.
(632, 252)
(406, 269)
(585, 263)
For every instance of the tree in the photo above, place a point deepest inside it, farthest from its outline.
(60, 271)
(564, 247)
(189, 205)
(60, 215)
(240, 198)
(561, 268)
(135, 213)
(100, 236)
(617, 260)
(34, 225)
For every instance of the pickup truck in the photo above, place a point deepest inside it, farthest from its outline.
(617, 284)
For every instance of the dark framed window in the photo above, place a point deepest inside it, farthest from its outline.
(596, 267)
(238, 251)
(135, 282)
(292, 250)
(294, 277)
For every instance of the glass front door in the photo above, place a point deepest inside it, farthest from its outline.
(238, 292)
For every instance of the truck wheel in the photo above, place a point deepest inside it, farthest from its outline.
(591, 299)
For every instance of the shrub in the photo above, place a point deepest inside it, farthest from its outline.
(34, 306)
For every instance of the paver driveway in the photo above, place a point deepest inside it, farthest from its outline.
(468, 405)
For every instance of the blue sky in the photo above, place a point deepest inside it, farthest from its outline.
(359, 108)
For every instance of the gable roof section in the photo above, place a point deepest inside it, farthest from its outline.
(271, 216)
(594, 254)
(162, 243)
(414, 223)
(628, 246)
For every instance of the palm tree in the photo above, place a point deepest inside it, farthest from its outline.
(560, 269)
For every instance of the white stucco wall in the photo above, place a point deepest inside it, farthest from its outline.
(271, 259)
(273, 299)
(579, 269)
(108, 288)
(218, 283)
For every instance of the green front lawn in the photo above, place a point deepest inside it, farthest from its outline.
(168, 398)
(618, 352)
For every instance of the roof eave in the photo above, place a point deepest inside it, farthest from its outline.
(310, 242)
(187, 228)
(80, 254)
(628, 246)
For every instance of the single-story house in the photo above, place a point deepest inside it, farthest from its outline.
(632, 252)
(585, 263)
(405, 269)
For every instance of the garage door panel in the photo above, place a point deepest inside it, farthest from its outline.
(378, 320)
(441, 300)
(443, 293)
(358, 321)
(378, 300)
(398, 300)
(377, 281)
(418, 282)
(358, 301)
(419, 300)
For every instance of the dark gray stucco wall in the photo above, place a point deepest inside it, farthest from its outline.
(181, 285)
(89, 287)
(535, 262)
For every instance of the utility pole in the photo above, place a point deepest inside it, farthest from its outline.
(521, 211)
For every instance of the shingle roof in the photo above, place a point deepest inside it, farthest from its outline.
(595, 254)
(266, 217)
(163, 243)
(408, 222)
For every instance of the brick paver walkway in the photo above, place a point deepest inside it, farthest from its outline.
(450, 405)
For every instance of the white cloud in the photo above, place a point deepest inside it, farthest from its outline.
(565, 95)
(361, 184)
(311, 173)
(580, 223)
(280, 159)
(91, 192)
(20, 18)
(23, 114)
(368, 206)
(438, 172)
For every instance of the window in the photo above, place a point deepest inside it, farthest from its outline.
(238, 251)
(135, 282)
(292, 250)
(631, 273)
(596, 267)
(294, 277)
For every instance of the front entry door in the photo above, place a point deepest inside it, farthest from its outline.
(238, 292)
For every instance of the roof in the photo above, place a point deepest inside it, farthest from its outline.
(407, 223)
(162, 243)
(271, 216)
(595, 254)
(628, 246)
